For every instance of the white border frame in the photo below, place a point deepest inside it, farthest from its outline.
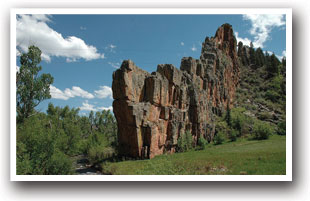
(195, 11)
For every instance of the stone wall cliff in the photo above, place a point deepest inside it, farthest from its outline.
(153, 110)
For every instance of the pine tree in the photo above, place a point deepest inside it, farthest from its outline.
(228, 115)
(252, 54)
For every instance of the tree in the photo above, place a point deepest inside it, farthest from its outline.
(228, 115)
(273, 66)
(252, 54)
(91, 117)
(31, 89)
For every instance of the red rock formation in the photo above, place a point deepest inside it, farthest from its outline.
(153, 110)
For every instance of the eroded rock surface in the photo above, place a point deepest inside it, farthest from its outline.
(153, 110)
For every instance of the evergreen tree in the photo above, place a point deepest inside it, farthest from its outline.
(228, 115)
(272, 66)
(252, 54)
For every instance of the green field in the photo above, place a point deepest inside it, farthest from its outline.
(252, 157)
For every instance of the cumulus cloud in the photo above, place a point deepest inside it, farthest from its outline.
(194, 49)
(77, 91)
(34, 30)
(90, 107)
(105, 108)
(262, 26)
(245, 41)
(104, 92)
(69, 93)
(87, 107)
(57, 93)
(182, 43)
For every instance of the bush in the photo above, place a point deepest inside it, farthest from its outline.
(281, 130)
(185, 142)
(59, 164)
(37, 149)
(264, 115)
(261, 130)
(232, 135)
(99, 153)
(202, 143)
(218, 138)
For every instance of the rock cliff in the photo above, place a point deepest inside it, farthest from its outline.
(153, 110)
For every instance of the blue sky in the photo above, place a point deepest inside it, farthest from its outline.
(82, 51)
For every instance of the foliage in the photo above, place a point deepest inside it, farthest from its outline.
(232, 135)
(99, 147)
(272, 66)
(185, 142)
(202, 143)
(37, 150)
(31, 88)
(228, 116)
(47, 142)
(281, 129)
(219, 138)
(240, 122)
(261, 130)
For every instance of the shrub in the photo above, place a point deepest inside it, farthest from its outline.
(281, 129)
(264, 115)
(261, 130)
(59, 164)
(202, 143)
(232, 135)
(273, 96)
(185, 142)
(218, 138)
(99, 153)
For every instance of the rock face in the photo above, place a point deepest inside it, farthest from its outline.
(153, 110)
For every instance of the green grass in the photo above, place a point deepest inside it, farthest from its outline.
(253, 157)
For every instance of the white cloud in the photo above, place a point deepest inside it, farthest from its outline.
(87, 107)
(112, 46)
(262, 26)
(280, 57)
(182, 43)
(17, 68)
(194, 49)
(104, 92)
(34, 30)
(245, 41)
(77, 91)
(106, 108)
(82, 28)
(69, 93)
(57, 93)
(114, 65)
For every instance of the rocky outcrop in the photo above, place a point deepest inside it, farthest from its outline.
(153, 110)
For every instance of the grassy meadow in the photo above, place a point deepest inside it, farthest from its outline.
(250, 157)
